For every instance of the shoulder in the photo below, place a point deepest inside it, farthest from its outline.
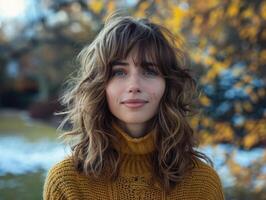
(207, 179)
(202, 169)
(65, 166)
(62, 172)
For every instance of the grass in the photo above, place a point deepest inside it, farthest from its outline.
(32, 130)
(26, 186)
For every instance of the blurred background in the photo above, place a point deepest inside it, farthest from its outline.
(226, 40)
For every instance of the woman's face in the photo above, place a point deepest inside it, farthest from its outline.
(134, 92)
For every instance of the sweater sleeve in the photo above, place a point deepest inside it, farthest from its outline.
(54, 184)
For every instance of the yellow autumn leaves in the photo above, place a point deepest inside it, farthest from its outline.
(213, 30)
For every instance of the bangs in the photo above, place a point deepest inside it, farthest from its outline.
(146, 43)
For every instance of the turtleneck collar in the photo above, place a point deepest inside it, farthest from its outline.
(130, 145)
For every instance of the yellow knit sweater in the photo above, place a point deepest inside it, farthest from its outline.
(134, 181)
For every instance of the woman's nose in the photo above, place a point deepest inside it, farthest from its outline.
(134, 90)
(134, 84)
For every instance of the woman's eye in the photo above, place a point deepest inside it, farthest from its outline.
(150, 72)
(118, 73)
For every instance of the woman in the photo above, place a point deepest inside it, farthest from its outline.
(128, 108)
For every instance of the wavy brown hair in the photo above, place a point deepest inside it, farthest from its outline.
(91, 133)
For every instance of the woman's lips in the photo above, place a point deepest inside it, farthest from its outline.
(134, 103)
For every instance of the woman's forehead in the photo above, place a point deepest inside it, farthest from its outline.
(143, 55)
(139, 56)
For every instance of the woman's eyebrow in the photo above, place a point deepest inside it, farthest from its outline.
(119, 62)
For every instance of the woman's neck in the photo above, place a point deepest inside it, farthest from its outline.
(136, 130)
